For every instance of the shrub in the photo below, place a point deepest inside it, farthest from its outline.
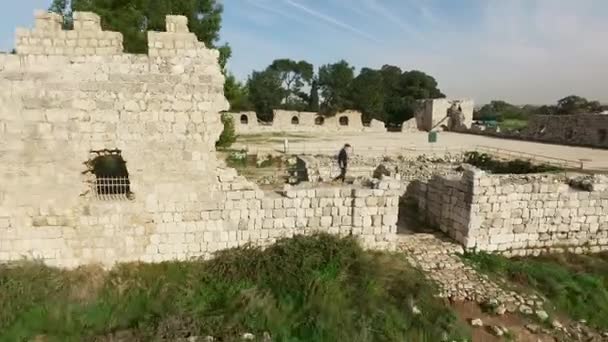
(319, 288)
(237, 159)
(228, 136)
(486, 162)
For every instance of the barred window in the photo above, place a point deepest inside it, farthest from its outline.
(111, 176)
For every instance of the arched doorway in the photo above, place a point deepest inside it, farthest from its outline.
(319, 120)
(244, 119)
(295, 120)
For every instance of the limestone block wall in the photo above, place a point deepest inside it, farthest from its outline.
(59, 109)
(48, 38)
(293, 121)
(159, 230)
(444, 202)
(518, 214)
(526, 214)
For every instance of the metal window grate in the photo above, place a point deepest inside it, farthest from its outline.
(112, 188)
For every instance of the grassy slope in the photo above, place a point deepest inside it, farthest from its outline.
(305, 289)
(575, 284)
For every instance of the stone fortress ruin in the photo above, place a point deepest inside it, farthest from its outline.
(431, 115)
(110, 157)
(72, 101)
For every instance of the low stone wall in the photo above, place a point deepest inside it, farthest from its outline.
(293, 121)
(180, 228)
(578, 130)
(517, 214)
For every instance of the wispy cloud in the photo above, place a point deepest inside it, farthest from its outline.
(383, 11)
(331, 20)
(267, 8)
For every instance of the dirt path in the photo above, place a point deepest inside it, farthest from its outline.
(375, 143)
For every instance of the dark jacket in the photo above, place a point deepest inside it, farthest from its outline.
(343, 159)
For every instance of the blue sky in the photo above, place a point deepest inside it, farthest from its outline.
(523, 51)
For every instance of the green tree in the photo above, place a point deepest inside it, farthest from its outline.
(368, 94)
(572, 105)
(265, 92)
(500, 110)
(334, 82)
(403, 90)
(133, 18)
(313, 99)
(294, 75)
(237, 94)
(228, 136)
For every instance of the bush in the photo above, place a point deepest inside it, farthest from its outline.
(486, 162)
(228, 136)
(319, 288)
(237, 159)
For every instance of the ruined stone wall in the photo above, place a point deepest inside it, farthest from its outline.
(578, 130)
(518, 214)
(293, 121)
(527, 214)
(444, 202)
(433, 114)
(61, 107)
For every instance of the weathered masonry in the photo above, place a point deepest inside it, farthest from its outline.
(578, 130)
(109, 157)
(292, 121)
(435, 114)
(517, 214)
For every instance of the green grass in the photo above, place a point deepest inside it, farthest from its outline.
(513, 124)
(317, 288)
(576, 285)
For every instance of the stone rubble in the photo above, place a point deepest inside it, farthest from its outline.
(438, 257)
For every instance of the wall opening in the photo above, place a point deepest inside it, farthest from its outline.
(295, 120)
(111, 175)
(244, 119)
(569, 133)
(319, 120)
(343, 121)
(602, 135)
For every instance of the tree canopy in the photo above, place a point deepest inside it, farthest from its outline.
(388, 94)
(334, 82)
(577, 105)
(294, 75)
(265, 92)
(133, 18)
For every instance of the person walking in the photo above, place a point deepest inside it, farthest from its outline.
(343, 162)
